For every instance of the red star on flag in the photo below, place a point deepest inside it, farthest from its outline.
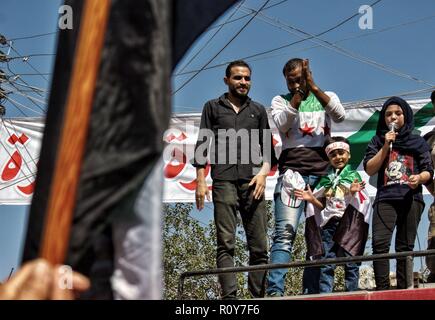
(326, 130)
(274, 141)
(306, 130)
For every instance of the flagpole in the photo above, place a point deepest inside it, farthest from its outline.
(61, 202)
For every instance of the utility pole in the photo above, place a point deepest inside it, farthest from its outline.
(3, 78)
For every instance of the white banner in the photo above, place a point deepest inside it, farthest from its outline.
(359, 127)
(20, 142)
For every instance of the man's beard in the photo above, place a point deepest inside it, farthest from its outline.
(241, 96)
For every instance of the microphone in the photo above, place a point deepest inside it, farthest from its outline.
(392, 127)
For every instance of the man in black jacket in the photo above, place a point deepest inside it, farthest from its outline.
(241, 157)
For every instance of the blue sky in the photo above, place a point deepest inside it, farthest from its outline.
(401, 40)
(18, 19)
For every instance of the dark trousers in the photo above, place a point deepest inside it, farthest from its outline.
(228, 198)
(430, 260)
(405, 215)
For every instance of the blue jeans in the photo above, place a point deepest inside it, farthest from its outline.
(286, 224)
(332, 250)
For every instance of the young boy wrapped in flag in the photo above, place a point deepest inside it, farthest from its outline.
(337, 215)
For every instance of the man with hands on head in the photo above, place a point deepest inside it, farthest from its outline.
(239, 174)
(303, 118)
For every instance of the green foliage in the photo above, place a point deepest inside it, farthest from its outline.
(186, 247)
(190, 245)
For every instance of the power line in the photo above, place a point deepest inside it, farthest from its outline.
(226, 45)
(244, 16)
(286, 45)
(355, 104)
(32, 55)
(23, 94)
(27, 96)
(357, 36)
(34, 36)
(34, 74)
(18, 108)
(18, 105)
(16, 77)
(26, 61)
(211, 38)
(10, 274)
(341, 50)
(32, 88)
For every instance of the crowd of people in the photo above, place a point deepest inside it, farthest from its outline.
(315, 178)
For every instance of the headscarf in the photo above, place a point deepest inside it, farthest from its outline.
(405, 140)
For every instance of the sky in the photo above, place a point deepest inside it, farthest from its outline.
(393, 57)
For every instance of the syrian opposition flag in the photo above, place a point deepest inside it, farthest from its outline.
(352, 231)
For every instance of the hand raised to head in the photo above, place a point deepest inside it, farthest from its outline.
(308, 75)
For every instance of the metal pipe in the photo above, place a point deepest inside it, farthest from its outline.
(409, 273)
(313, 263)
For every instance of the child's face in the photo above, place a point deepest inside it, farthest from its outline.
(394, 114)
(339, 158)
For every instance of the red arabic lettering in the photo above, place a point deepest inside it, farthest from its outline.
(172, 169)
(13, 166)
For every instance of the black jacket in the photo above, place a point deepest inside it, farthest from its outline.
(236, 143)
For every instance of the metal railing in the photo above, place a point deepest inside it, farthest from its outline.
(408, 255)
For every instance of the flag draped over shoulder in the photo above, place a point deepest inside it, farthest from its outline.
(352, 210)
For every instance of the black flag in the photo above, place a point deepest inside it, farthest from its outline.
(144, 41)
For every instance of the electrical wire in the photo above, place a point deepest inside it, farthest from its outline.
(32, 88)
(336, 48)
(34, 36)
(17, 105)
(286, 45)
(223, 48)
(35, 74)
(32, 55)
(30, 99)
(244, 16)
(357, 36)
(30, 65)
(24, 94)
(17, 77)
(211, 38)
